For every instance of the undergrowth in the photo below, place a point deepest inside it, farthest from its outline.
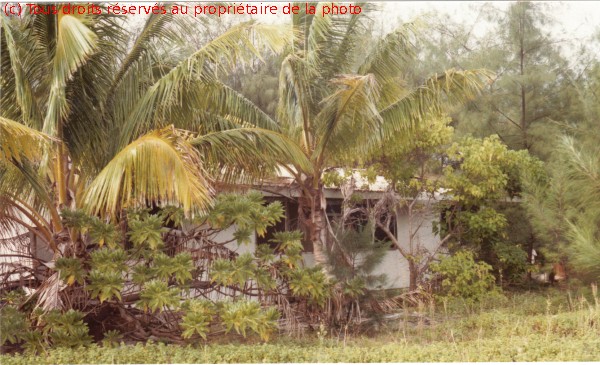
(553, 325)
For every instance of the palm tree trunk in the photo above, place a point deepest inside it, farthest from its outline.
(313, 222)
(319, 231)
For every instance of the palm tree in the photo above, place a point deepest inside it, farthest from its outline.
(337, 103)
(97, 117)
(109, 115)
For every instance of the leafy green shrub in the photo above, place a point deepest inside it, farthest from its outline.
(156, 295)
(531, 326)
(66, 329)
(105, 285)
(243, 315)
(247, 212)
(54, 329)
(364, 350)
(146, 231)
(309, 282)
(13, 325)
(290, 244)
(70, 270)
(463, 277)
(197, 318)
(230, 272)
(111, 338)
(144, 281)
(511, 261)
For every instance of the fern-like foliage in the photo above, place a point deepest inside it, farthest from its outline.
(105, 285)
(242, 316)
(70, 270)
(158, 296)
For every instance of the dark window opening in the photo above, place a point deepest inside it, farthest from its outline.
(288, 223)
(358, 218)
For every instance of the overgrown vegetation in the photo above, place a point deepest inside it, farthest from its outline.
(535, 326)
(128, 225)
(171, 282)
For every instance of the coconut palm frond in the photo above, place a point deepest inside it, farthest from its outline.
(75, 43)
(18, 217)
(350, 44)
(167, 28)
(161, 167)
(433, 97)
(9, 226)
(194, 76)
(296, 106)
(391, 53)
(88, 128)
(332, 41)
(20, 69)
(349, 114)
(249, 153)
(18, 141)
(48, 294)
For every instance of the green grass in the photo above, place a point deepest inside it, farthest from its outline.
(548, 326)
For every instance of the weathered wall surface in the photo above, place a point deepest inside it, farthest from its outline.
(394, 266)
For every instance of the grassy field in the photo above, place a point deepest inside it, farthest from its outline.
(544, 326)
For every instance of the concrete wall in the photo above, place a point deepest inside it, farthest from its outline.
(13, 243)
(394, 265)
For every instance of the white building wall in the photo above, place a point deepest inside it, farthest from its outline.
(227, 235)
(13, 243)
(394, 265)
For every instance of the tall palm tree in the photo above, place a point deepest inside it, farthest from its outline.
(110, 109)
(94, 117)
(338, 101)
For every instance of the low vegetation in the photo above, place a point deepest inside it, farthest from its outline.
(546, 325)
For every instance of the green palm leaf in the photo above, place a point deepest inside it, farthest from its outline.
(251, 152)
(160, 167)
(75, 42)
(433, 97)
(17, 140)
(19, 101)
(349, 114)
(194, 81)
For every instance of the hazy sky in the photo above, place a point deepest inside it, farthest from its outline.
(574, 18)
(579, 18)
(576, 21)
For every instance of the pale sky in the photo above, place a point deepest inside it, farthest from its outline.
(579, 18)
(574, 18)
(576, 21)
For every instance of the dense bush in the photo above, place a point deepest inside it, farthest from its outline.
(463, 277)
(170, 279)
